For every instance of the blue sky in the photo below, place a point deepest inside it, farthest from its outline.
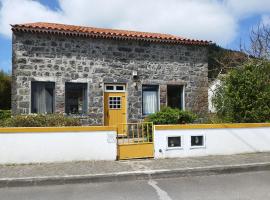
(225, 22)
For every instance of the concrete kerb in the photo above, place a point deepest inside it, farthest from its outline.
(134, 175)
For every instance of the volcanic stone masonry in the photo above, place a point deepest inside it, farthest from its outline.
(59, 58)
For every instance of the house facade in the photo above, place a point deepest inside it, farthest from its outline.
(111, 76)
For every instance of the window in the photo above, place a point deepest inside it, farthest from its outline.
(175, 96)
(115, 88)
(76, 98)
(42, 97)
(114, 102)
(119, 87)
(150, 99)
(109, 87)
(174, 142)
(197, 141)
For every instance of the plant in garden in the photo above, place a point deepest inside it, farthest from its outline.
(5, 114)
(169, 115)
(52, 120)
(244, 93)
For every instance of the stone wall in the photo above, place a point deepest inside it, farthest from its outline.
(44, 57)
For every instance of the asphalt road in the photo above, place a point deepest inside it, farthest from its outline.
(244, 186)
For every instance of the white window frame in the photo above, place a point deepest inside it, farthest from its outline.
(201, 146)
(114, 88)
(175, 148)
(158, 98)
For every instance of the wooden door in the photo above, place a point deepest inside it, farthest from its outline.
(115, 110)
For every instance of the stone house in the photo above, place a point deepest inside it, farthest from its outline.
(111, 76)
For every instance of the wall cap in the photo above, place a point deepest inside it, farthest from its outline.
(56, 129)
(210, 126)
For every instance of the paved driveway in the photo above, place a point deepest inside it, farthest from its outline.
(253, 186)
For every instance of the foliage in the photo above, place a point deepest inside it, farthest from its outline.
(52, 120)
(5, 114)
(244, 94)
(213, 118)
(5, 91)
(169, 115)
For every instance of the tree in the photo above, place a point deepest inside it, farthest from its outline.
(259, 42)
(244, 94)
(221, 60)
(5, 91)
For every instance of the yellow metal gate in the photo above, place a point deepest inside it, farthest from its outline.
(135, 141)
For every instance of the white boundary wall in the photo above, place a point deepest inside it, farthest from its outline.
(220, 141)
(38, 147)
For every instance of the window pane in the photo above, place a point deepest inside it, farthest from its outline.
(197, 140)
(76, 98)
(42, 97)
(109, 87)
(174, 141)
(120, 87)
(114, 102)
(174, 96)
(150, 99)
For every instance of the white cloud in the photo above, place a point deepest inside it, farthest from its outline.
(266, 20)
(203, 19)
(245, 8)
(24, 11)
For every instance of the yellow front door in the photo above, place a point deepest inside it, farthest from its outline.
(115, 110)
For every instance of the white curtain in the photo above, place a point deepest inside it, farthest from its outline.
(150, 104)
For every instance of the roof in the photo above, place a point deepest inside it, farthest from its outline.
(71, 30)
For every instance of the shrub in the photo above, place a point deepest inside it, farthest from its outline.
(169, 115)
(5, 114)
(244, 94)
(52, 120)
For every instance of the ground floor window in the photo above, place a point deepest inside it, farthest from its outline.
(197, 141)
(76, 98)
(150, 99)
(42, 97)
(174, 142)
(175, 96)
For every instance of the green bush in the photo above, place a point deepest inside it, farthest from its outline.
(169, 115)
(244, 94)
(53, 120)
(5, 114)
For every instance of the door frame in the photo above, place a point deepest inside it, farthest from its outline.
(126, 94)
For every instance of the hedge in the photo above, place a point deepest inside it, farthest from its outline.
(169, 115)
(51, 120)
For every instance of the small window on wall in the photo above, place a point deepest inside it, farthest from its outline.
(150, 99)
(174, 142)
(114, 88)
(197, 141)
(76, 98)
(175, 96)
(114, 102)
(42, 97)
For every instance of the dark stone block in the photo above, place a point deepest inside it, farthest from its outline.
(139, 50)
(38, 49)
(125, 49)
(21, 60)
(37, 60)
